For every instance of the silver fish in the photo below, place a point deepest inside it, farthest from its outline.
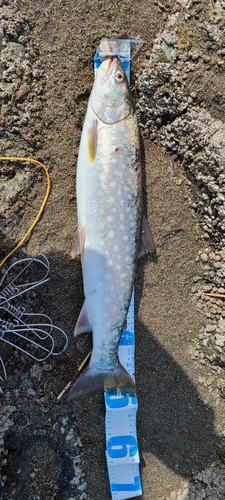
(110, 236)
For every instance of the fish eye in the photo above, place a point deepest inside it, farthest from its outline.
(119, 76)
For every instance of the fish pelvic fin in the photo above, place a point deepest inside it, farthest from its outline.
(91, 379)
(78, 243)
(83, 323)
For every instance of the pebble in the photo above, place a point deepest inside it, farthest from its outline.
(208, 250)
(220, 339)
(205, 58)
(210, 328)
(204, 257)
(173, 495)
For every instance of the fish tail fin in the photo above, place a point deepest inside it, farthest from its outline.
(91, 379)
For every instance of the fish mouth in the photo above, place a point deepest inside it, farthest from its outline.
(107, 67)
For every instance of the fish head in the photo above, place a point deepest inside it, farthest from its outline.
(111, 98)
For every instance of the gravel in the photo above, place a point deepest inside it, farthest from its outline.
(175, 116)
(174, 112)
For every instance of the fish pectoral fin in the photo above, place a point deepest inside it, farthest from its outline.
(92, 140)
(83, 323)
(78, 243)
(146, 243)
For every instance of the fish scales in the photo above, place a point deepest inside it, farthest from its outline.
(109, 219)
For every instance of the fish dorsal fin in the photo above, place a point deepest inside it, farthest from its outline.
(83, 323)
(92, 140)
(78, 244)
(146, 244)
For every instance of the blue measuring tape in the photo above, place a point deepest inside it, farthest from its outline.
(120, 420)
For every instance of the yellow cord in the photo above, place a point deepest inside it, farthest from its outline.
(42, 205)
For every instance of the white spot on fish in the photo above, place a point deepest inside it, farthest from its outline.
(111, 199)
(126, 188)
(108, 276)
(110, 263)
(127, 259)
(118, 192)
(121, 217)
(111, 234)
(105, 315)
(112, 288)
(118, 267)
(109, 218)
(125, 237)
(114, 210)
(115, 248)
(122, 226)
(113, 184)
(118, 173)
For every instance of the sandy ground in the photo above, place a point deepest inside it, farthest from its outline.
(53, 449)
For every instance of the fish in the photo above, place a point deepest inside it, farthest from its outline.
(111, 233)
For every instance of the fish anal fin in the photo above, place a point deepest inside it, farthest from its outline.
(83, 323)
(146, 244)
(92, 140)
